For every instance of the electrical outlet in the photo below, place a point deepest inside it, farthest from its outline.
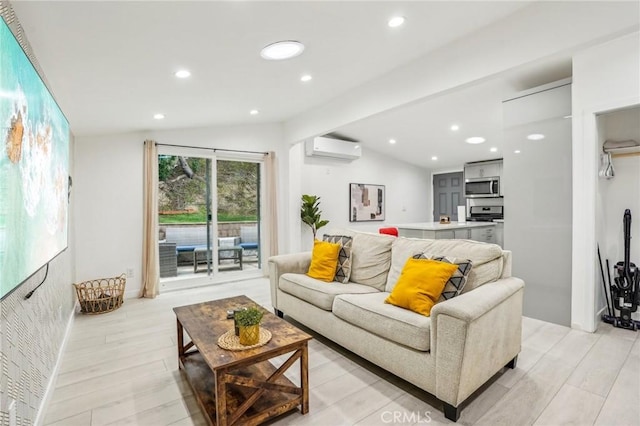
(13, 418)
(129, 272)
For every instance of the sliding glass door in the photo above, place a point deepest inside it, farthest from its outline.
(185, 205)
(238, 208)
(209, 217)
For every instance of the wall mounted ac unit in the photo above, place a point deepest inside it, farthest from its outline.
(335, 148)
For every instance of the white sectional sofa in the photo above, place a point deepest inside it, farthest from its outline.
(450, 354)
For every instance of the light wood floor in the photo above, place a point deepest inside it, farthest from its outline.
(121, 368)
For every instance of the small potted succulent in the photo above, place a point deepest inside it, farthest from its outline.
(248, 322)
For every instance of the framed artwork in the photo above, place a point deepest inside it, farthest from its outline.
(366, 202)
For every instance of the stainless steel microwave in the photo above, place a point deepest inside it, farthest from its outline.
(484, 187)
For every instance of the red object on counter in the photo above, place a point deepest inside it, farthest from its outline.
(389, 231)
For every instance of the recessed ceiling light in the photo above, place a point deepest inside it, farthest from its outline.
(158, 116)
(434, 158)
(356, 147)
(535, 137)
(494, 149)
(183, 73)
(455, 127)
(475, 140)
(282, 50)
(254, 112)
(396, 21)
(517, 151)
(305, 78)
(392, 141)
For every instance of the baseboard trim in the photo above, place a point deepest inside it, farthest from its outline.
(131, 294)
(598, 318)
(44, 404)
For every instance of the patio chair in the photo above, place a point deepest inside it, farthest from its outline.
(168, 260)
(249, 240)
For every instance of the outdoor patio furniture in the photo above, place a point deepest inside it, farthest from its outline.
(227, 242)
(188, 245)
(186, 238)
(224, 253)
(168, 260)
(249, 239)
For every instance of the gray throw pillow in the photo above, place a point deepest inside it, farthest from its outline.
(343, 270)
(456, 283)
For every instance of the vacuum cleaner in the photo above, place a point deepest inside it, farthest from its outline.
(625, 288)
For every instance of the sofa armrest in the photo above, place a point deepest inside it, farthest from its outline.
(474, 335)
(297, 263)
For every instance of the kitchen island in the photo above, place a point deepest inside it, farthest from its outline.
(478, 231)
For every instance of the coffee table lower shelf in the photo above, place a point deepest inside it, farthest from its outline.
(272, 403)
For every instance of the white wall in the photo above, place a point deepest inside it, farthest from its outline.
(407, 189)
(108, 191)
(107, 188)
(605, 78)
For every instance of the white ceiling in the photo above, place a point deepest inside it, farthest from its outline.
(111, 64)
(423, 130)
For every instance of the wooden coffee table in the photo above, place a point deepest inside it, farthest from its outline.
(240, 387)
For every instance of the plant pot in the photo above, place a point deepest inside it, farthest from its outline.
(249, 335)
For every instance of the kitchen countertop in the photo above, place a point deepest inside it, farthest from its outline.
(437, 226)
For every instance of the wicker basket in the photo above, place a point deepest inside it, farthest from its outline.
(102, 295)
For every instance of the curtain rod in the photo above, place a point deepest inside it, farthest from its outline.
(212, 149)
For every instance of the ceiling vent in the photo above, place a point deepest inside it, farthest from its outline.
(334, 148)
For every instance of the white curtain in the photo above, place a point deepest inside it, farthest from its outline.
(272, 201)
(150, 262)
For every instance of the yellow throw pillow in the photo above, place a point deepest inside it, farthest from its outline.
(420, 284)
(324, 260)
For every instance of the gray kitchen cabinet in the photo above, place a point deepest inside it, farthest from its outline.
(482, 169)
(462, 234)
(417, 233)
(484, 234)
(452, 234)
(448, 235)
(441, 234)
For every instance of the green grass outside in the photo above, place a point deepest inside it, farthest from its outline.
(201, 217)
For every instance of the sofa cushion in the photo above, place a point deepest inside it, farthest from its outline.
(369, 312)
(343, 270)
(316, 292)
(371, 259)
(486, 258)
(482, 274)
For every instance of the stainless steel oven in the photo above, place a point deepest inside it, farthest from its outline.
(485, 213)
(483, 187)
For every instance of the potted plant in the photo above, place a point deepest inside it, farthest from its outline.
(248, 322)
(310, 213)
